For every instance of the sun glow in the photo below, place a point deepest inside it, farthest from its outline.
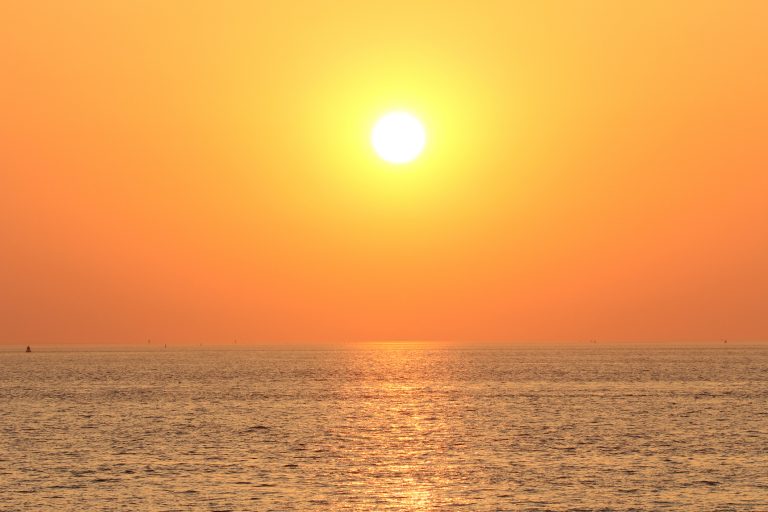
(398, 138)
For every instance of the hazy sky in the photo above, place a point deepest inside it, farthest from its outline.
(201, 171)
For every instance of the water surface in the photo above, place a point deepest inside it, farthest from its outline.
(558, 428)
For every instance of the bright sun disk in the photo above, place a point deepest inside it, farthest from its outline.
(398, 137)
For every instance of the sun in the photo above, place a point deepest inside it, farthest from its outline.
(398, 137)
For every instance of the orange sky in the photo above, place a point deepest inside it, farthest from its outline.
(201, 171)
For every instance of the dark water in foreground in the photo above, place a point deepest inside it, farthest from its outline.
(407, 429)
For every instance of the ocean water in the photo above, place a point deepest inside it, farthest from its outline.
(528, 428)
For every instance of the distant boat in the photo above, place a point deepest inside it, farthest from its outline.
(29, 349)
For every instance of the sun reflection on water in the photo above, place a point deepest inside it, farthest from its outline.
(403, 434)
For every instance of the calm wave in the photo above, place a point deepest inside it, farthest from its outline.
(399, 429)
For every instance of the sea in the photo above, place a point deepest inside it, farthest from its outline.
(572, 427)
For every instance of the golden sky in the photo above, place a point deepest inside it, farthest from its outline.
(199, 171)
